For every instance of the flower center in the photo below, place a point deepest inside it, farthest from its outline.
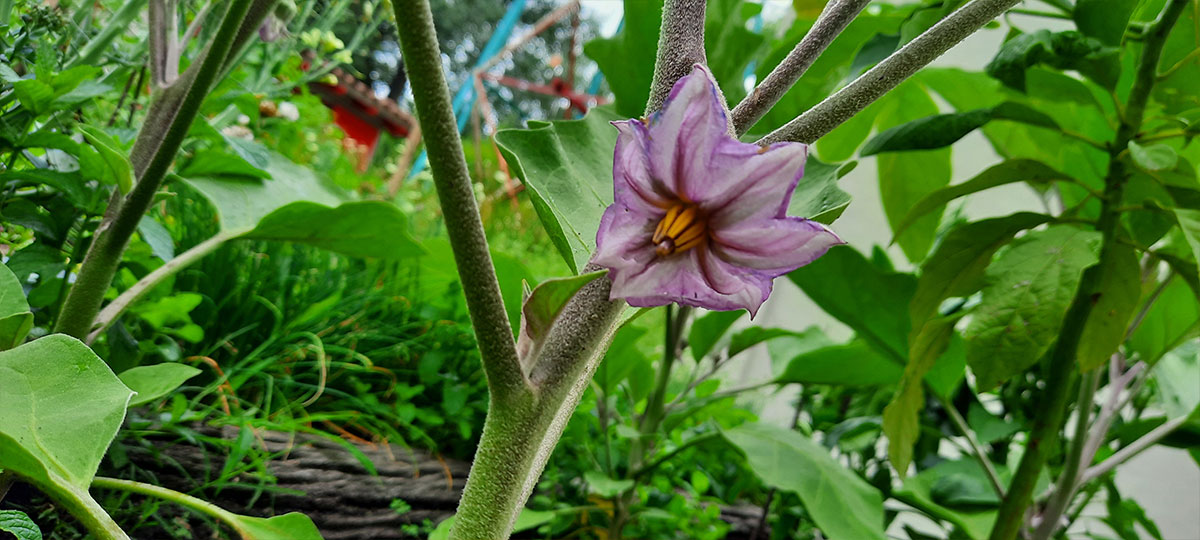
(683, 228)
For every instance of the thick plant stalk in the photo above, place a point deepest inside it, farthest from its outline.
(680, 46)
(422, 58)
(1049, 421)
(159, 142)
(1068, 480)
(893, 70)
(829, 25)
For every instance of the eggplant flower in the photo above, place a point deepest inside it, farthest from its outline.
(699, 218)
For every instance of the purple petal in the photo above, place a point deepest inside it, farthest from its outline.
(623, 240)
(689, 279)
(685, 133)
(633, 184)
(773, 246)
(749, 182)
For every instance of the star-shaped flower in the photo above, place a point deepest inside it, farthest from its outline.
(699, 218)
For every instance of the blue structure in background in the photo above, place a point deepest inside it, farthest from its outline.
(464, 100)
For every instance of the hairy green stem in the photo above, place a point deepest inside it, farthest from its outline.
(124, 214)
(422, 59)
(836, 16)
(115, 308)
(680, 45)
(893, 70)
(1062, 359)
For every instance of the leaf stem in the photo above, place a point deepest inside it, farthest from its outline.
(889, 73)
(422, 59)
(1133, 449)
(1068, 480)
(1052, 410)
(122, 217)
(680, 45)
(834, 18)
(976, 449)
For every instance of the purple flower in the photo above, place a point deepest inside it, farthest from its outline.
(700, 218)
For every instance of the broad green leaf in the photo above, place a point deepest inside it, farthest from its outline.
(567, 169)
(19, 525)
(927, 133)
(707, 330)
(1172, 319)
(1189, 224)
(1029, 288)
(901, 417)
(852, 364)
(907, 177)
(933, 490)
(527, 519)
(1104, 20)
(218, 163)
(817, 195)
(153, 382)
(840, 503)
(869, 300)
(752, 336)
(1177, 377)
(119, 167)
(542, 308)
(1061, 50)
(987, 427)
(34, 95)
(1153, 157)
(15, 318)
(604, 486)
(158, 237)
(1120, 287)
(292, 526)
(622, 357)
(627, 58)
(1006, 172)
(70, 184)
(1180, 90)
(296, 205)
(730, 46)
(62, 407)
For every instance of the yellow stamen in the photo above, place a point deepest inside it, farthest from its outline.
(683, 228)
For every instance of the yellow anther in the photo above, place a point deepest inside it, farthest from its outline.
(683, 228)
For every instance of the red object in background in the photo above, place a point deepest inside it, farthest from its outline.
(361, 114)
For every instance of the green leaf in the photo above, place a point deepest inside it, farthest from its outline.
(1006, 172)
(907, 177)
(1120, 286)
(158, 237)
(542, 308)
(1029, 288)
(1104, 20)
(852, 364)
(840, 503)
(927, 133)
(869, 300)
(34, 95)
(296, 205)
(901, 422)
(62, 407)
(604, 486)
(119, 167)
(987, 427)
(292, 526)
(567, 169)
(19, 525)
(707, 330)
(1177, 377)
(752, 336)
(1061, 50)
(153, 382)
(219, 163)
(918, 491)
(730, 46)
(817, 195)
(15, 318)
(627, 58)
(1173, 318)
(1154, 157)
(1189, 225)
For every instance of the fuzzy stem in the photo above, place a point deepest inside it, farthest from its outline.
(422, 59)
(829, 25)
(680, 45)
(112, 237)
(1135, 447)
(893, 70)
(115, 308)
(1046, 425)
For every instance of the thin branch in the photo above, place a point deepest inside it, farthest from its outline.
(976, 449)
(1133, 449)
(680, 46)
(829, 25)
(889, 73)
(1068, 480)
(422, 59)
